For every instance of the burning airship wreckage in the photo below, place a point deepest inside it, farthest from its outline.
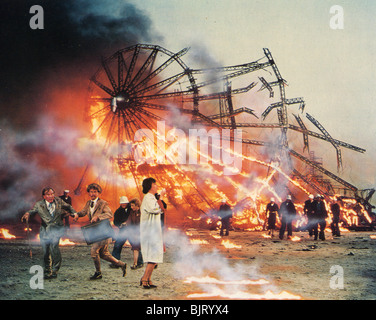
(211, 134)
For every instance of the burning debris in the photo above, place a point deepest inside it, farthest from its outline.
(152, 115)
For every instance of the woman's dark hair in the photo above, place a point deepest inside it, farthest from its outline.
(94, 186)
(46, 189)
(146, 184)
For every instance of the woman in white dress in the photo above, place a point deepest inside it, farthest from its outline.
(151, 230)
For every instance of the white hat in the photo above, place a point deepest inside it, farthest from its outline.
(223, 200)
(66, 191)
(288, 197)
(272, 199)
(311, 196)
(123, 199)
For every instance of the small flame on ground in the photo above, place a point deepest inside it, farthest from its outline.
(372, 236)
(198, 241)
(229, 245)
(268, 295)
(211, 280)
(5, 234)
(266, 235)
(66, 242)
(295, 238)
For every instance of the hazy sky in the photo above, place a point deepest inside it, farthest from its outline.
(333, 70)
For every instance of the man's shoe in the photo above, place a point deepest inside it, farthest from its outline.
(47, 276)
(96, 276)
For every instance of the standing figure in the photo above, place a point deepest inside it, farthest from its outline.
(120, 221)
(321, 214)
(271, 214)
(287, 213)
(66, 198)
(225, 213)
(151, 230)
(52, 211)
(97, 209)
(336, 212)
(134, 233)
(309, 211)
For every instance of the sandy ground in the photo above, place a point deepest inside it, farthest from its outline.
(302, 268)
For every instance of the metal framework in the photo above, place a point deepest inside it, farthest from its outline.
(142, 84)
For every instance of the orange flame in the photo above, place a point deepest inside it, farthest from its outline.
(66, 242)
(6, 234)
(208, 279)
(198, 241)
(229, 245)
(242, 295)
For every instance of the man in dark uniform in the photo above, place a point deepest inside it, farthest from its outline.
(271, 214)
(321, 214)
(336, 211)
(287, 213)
(309, 211)
(67, 199)
(225, 213)
(120, 220)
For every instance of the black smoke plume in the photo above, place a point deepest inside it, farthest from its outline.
(38, 64)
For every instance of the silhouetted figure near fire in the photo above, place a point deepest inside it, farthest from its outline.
(309, 211)
(287, 214)
(321, 214)
(120, 221)
(336, 212)
(66, 198)
(52, 211)
(271, 213)
(225, 213)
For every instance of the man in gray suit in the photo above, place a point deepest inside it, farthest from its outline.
(52, 211)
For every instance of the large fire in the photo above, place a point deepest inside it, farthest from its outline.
(210, 185)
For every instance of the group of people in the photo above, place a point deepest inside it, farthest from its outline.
(139, 222)
(315, 211)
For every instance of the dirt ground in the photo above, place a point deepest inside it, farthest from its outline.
(301, 268)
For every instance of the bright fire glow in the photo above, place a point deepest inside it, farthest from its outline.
(5, 234)
(66, 242)
(229, 245)
(211, 280)
(198, 241)
(268, 295)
